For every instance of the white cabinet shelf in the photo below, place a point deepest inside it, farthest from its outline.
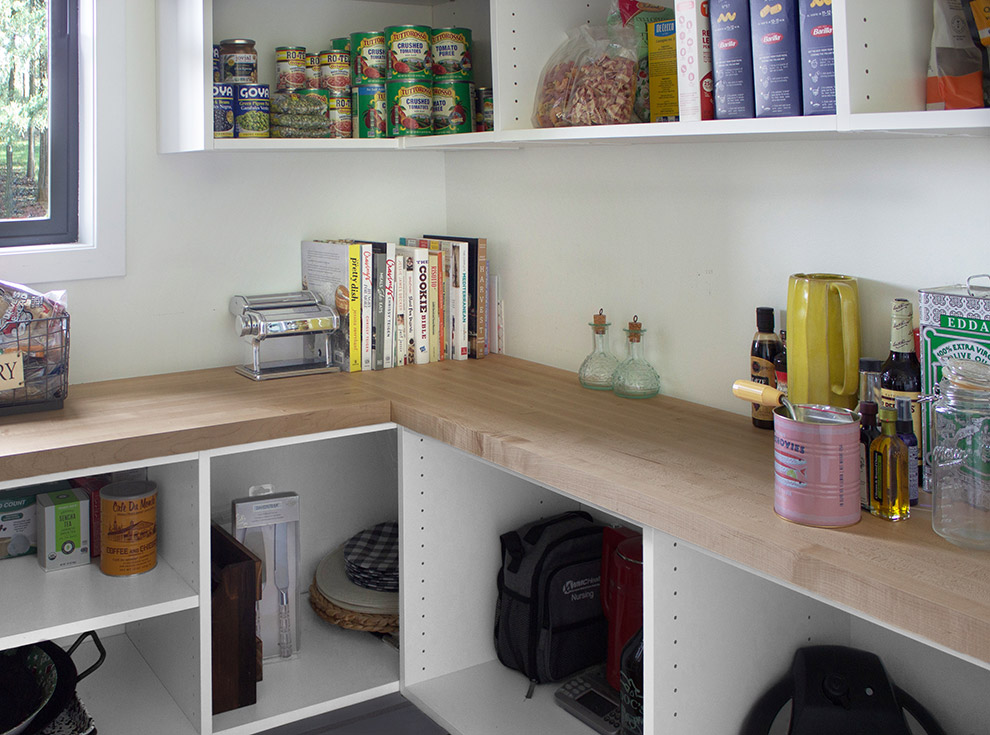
(881, 64)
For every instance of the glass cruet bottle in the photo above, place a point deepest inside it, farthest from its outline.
(960, 461)
(597, 369)
(635, 377)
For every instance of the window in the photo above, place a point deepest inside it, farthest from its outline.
(39, 122)
(97, 249)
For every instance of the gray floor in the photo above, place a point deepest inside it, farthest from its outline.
(391, 715)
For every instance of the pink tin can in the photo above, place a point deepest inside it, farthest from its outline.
(816, 466)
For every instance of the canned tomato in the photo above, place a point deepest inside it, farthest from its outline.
(128, 528)
(368, 59)
(410, 107)
(251, 107)
(340, 116)
(223, 110)
(335, 71)
(408, 50)
(450, 50)
(453, 107)
(368, 111)
(239, 61)
(341, 44)
(290, 68)
(312, 71)
(484, 109)
(217, 66)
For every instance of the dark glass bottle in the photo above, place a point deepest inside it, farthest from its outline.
(905, 431)
(900, 374)
(868, 431)
(780, 364)
(631, 686)
(766, 346)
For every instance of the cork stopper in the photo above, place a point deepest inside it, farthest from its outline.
(635, 330)
(599, 321)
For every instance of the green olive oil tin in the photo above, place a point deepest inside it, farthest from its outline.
(453, 108)
(368, 59)
(410, 107)
(368, 111)
(408, 49)
(450, 51)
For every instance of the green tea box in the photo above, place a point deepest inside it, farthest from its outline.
(63, 529)
(955, 323)
(18, 526)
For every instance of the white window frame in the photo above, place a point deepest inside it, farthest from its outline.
(100, 251)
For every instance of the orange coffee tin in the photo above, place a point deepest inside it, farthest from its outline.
(128, 528)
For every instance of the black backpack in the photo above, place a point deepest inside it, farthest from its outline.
(549, 621)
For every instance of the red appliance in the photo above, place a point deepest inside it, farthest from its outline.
(622, 592)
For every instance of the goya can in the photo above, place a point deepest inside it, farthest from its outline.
(484, 109)
(450, 50)
(341, 123)
(217, 66)
(335, 71)
(453, 107)
(408, 50)
(368, 111)
(341, 44)
(251, 108)
(223, 110)
(312, 71)
(290, 68)
(368, 60)
(410, 107)
(128, 528)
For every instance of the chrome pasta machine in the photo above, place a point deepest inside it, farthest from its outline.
(296, 314)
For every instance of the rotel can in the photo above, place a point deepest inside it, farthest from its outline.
(450, 50)
(341, 123)
(410, 107)
(408, 50)
(335, 71)
(368, 111)
(453, 107)
(312, 71)
(223, 110)
(368, 59)
(290, 68)
(251, 108)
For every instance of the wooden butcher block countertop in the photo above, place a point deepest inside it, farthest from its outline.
(698, 473)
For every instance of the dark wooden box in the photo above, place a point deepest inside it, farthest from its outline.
(235, 575)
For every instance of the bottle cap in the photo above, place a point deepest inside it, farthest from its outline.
(868, 408)
(903, 409)
(635, 330)
(764, 318)
(599, 321)
(869, 365)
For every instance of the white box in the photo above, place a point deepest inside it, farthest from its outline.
(695, 83)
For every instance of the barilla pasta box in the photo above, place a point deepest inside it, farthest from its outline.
(776, 57)
(695, 83)
(955, 323)
(732, 59)
(817, 57)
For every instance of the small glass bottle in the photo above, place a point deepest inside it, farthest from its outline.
(765, 348)
(598, 367)
(868, 431)
(631, 686)
(889, 461)
(960, 461)
(635, 377)
(905, 432)
(780, 364)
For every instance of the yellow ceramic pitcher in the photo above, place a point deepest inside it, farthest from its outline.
(823, 339)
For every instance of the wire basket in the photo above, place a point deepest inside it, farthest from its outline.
(34, 362)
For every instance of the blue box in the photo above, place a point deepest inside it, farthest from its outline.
(817, 57)
(732, 59)
(776, 57)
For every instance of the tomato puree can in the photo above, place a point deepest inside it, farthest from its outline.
(368, 58)
(128, 528)
(484, 109)
(450, 51)
(453, 107)
(408, 50)
(290, 68)
(410, 107)
(368, 111)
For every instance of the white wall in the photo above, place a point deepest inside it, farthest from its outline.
(693, 237)
(690, 237)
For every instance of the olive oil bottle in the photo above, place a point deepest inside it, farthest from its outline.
(889, 469)
(900, 374)
(766, 347)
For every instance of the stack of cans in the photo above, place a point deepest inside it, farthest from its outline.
(300, 107)
(453, 81)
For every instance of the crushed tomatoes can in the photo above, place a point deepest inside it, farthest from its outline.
(408, 49)
(450, 52)
(128, 528)
(410, 107)
(368, 111)
(368, 58)
(453, 108)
